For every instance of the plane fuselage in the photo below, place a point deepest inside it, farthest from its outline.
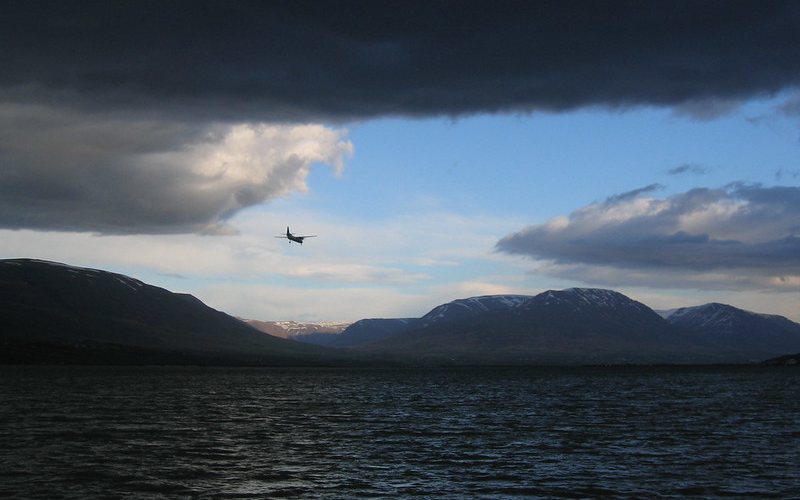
(296, 239)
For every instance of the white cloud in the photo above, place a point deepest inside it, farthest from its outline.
(737, 237)
(254, 162)
(718, 280)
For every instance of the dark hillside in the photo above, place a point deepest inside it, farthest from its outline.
(82, 313)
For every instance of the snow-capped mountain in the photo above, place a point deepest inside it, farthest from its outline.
(371, 330)
(295, 329)
(587, 300)
(729, 327)
(587, 297)
(323, 333)
(574, 325)
(713, 314)
(466, 308)
(598, 310)
(303, 327)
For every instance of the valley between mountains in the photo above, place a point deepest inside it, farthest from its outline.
(56, 313)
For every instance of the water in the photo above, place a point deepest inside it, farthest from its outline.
(344, 433)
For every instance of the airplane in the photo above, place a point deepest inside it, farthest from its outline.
(297, 239)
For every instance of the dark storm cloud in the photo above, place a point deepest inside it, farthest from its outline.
(301, 60)
(749, 232)
(64, 170)
(149, 116)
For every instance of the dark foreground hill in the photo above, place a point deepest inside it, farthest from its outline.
(52, 312)
(577, 325)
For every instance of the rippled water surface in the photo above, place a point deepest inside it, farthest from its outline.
(343, 433)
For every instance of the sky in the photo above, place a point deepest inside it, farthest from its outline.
(438, 150)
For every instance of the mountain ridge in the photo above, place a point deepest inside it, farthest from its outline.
(79, 311)
(587, 315)
(569, 326)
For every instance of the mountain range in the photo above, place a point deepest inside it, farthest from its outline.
(577, 325)
(54, 313)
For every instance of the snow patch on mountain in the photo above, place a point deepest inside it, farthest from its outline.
(581, 298)
(472, 306)
(295, 329)
(317, 326)
(711, 314)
